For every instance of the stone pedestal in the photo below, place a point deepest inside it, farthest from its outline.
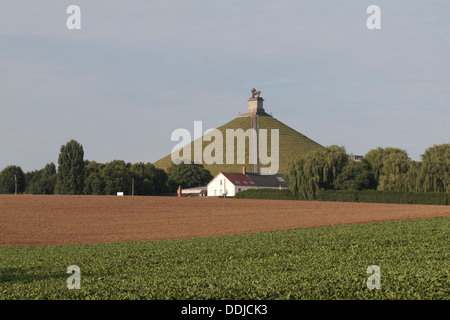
(255, 107)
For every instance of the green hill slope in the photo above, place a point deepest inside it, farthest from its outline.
(291, 144)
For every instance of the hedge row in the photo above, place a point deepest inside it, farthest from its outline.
(274, 194)
(371, 196)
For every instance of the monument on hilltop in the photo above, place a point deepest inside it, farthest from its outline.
(291, 142)
(255, 105)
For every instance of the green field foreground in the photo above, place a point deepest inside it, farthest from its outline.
(317, 263)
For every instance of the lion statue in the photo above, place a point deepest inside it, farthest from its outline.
(255, 93)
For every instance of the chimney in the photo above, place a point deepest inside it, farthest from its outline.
(244, 172)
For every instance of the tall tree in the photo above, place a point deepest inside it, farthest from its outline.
(389, 166)
(117, 177)
(42, 181)
(148, 179)
(356, 175)
(8, 178)
(188, 176)
(94, 183)
(315, 170)
(393, 173)
(414, 177)
(436, 168)
(70, 177)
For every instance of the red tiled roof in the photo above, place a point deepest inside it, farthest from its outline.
(239, 179)
(254, 179)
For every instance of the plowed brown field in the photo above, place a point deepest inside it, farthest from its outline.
(58, 220)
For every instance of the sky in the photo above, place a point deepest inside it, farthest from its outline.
(138, 70)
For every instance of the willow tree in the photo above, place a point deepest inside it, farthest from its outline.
(389, 166)
(316, 170)
(393, 173)
(295, 174)
(414, 177)
(436, 169)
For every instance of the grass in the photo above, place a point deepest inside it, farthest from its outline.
(291, 144)
(317, 263)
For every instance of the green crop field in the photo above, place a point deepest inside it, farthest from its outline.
(317, 263)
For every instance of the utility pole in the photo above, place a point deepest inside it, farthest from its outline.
(15, 184)
(132, 187)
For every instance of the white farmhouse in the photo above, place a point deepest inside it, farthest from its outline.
(228, 184)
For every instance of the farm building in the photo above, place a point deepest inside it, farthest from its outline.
(355, 157)
(230, 183)
(192, 192)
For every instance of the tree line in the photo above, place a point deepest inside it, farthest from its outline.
(382, 169)
(329, 168)
(78, 176)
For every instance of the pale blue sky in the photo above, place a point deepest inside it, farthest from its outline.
(137, 70)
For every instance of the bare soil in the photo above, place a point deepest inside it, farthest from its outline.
(62, 220)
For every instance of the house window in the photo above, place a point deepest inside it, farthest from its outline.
(215, 192)
(220, 182)
(239, 190)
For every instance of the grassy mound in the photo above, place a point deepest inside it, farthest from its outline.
(291, 144)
